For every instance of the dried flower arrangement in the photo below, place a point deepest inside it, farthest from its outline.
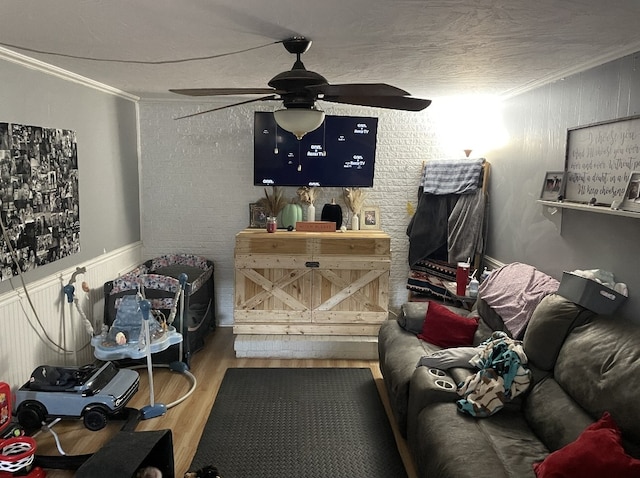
(274, 202)
(354, 199)
(307, 195)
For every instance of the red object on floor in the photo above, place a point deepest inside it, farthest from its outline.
(5, 424)
(16, 456)
(37, 472)
(5, 406)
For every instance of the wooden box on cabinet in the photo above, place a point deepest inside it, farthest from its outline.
(311, 283)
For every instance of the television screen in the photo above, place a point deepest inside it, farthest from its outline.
(340, 153)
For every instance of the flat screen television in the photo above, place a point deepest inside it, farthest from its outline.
(340, 153)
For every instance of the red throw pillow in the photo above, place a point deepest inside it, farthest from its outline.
(596, 453)
(445, 328)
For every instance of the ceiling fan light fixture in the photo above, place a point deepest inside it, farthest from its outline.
(299, 121)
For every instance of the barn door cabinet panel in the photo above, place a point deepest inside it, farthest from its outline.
(311, 283)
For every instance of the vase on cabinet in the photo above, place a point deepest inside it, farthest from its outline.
(355, 223)
(311, 213)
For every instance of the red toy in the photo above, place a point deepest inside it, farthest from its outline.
(8, 428)
(5, 407)
(17, 452)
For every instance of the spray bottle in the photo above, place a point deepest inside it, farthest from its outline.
(473, 285)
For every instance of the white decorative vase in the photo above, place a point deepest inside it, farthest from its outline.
(355, 223)
(311, 213)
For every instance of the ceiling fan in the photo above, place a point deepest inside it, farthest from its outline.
(299, 88)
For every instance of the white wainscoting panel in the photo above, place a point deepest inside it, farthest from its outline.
(36, 324)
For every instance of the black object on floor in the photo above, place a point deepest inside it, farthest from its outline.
(299, 423)
(127, 452)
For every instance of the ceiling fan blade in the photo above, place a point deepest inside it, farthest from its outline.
(405, 103)
(359, 89)
(264, 98)
(239, 20)
(224, 91)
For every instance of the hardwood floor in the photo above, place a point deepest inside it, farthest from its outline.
(187, 419)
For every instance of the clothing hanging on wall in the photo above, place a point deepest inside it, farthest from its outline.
(428, 229)
(447, 224)
(452, 176)
(465, 226)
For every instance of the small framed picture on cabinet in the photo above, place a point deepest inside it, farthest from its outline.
(370, 217)
(257, 216)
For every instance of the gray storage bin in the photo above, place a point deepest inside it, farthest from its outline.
(589, 294)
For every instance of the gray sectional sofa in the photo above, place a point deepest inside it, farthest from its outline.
(582, 365)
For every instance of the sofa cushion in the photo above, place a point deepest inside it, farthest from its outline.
(599, 366)
(596, 453)
(490, 316)
(445, 328)
(483, 332)
(550, 324)
(553, 415)
(448, 444)
(398, 353)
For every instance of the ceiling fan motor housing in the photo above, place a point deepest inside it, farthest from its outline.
(297, 45)
(294, 84)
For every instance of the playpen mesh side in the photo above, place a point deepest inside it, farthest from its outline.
(182, 259)
(159, 279)
(199, 269)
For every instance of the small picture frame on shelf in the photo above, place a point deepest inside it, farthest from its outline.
(257, 216)
(631, 199)
(553, 185)
(370, 217)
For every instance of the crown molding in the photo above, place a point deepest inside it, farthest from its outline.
(41, 66)
(562, 74)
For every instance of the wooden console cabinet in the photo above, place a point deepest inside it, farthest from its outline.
(328, 283)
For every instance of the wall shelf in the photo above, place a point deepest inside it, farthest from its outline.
(588, 208)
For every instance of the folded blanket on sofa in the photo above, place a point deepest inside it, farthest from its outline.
(514, 291)
(501, 378)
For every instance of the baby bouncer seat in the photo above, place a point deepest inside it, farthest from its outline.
(158, 280)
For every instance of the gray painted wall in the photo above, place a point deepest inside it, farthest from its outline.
(537, 123)
(106, 127)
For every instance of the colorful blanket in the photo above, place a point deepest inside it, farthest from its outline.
(501, 378)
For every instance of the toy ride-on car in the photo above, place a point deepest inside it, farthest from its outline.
(92, 392)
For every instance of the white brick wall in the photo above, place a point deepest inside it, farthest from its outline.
(197, 182)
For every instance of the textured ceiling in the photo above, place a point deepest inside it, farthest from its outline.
(430, 48)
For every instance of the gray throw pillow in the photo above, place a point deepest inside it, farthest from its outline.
(449, 358)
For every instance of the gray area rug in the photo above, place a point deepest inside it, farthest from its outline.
(299, 423)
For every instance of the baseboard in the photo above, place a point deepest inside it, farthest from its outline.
(490, 263)
(306, 346)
